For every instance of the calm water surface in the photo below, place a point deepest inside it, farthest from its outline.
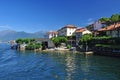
(15, 65)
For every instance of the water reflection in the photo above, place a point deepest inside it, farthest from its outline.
(85, 64)
(27, 65)
(70, 66)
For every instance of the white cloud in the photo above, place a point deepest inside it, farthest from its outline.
(90, 19)
(5, 27)
(90, 23)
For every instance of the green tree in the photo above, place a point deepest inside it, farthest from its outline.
(105, 20)
(20, 41)
(58, 40)
(85, 39)
(62, 39)
(115, 18)
(33, 46)
(26, 40)
(119, 17)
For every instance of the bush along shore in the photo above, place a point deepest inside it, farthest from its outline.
(88, 44)
(27, 44)
(34, 45)
(104, 45)
(108, 47)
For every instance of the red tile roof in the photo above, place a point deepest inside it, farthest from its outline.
(80, 30)
(69, 26)
(52, 32)
(111, 27)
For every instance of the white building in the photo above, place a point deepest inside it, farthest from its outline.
(80, 32)
(98, 25)
(68, 30)
(51, 34)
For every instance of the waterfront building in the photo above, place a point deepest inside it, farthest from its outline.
(68, 30)
(96, 25)
(80, 32)
(46, 43)
(51, 34)
(112, 30)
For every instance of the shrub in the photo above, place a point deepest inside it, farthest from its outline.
(33, 46)
(68, 46)
(58, 40)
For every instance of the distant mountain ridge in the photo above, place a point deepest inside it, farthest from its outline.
(7, 35)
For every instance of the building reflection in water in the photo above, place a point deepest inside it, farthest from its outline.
(85, 64)
(85, 67)
(70, 66)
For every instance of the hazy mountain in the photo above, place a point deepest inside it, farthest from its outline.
(7, 35)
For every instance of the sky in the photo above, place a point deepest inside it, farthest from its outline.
(50, 15)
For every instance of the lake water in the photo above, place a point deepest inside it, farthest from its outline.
(15, 65)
